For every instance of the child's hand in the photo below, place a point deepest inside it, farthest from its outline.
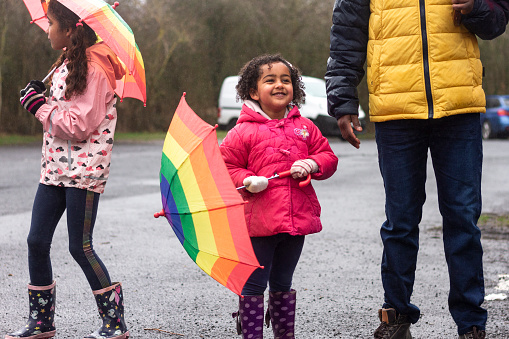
(32, 98)
(302, 168)
(36, 84)
(256, 184)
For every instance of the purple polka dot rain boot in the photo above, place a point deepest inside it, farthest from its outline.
(249, 318)
(281, 313)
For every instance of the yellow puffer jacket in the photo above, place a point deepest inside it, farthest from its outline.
(421, 66)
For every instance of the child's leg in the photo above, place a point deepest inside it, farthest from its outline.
(263, 248)
(49, 205)
(81, 213)
(250, 314)
(282, 299)
(285, 258)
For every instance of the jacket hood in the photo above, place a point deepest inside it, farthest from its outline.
(248, 114)
(102, 55)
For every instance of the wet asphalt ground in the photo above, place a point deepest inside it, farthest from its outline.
(337, 280)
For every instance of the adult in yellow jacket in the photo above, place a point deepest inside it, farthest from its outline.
(424, 77)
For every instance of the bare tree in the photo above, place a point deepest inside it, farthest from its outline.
(192, 46)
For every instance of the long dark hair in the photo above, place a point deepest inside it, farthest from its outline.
(252, 70)
(82, 37)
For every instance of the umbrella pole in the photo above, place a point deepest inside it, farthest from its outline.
(272, 177)
(49, 74)
(284, 175)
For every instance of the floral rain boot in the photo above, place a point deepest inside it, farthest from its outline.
(281, 313)
(249, 318)
(110, 302)
(41, 321)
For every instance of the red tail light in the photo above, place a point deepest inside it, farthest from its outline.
(502, 112)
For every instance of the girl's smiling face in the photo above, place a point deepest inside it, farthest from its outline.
(274, 90)
(58, 37)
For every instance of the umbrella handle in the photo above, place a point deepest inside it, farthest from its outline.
(283, 174)
(305, 182)
(288, 173)
(159, 214)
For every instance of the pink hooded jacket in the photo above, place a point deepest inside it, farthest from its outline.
(259, 146)
(78, 133)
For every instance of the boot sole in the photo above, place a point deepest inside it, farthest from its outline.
(45, 335)
(123, 336)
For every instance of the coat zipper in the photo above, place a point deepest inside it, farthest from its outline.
(69, 158)
(427, 82)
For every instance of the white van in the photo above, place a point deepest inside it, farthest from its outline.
(315, 107)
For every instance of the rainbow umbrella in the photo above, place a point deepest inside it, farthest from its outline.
(38, 9)
(110, 28)
(201, 203)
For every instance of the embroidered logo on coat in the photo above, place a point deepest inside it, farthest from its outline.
(303, 133)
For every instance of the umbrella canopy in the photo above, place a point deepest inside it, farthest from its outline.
(201, 203)
(110, 28)
(38, 9)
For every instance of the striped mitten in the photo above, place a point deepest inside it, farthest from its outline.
(301, 168)
(32, 98)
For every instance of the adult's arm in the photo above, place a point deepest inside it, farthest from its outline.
(488, 18)
(345, 66)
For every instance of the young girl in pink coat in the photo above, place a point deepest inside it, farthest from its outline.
(78, 118)
(271, 137)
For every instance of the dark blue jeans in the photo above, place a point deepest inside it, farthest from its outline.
(279, 254)
(49, 205)
(455, 146)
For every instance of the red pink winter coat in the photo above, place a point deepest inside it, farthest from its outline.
(260, 146)
(78, 133)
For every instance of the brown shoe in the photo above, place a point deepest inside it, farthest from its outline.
(392, 326)
(474, 334)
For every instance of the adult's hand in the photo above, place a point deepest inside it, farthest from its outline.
(347, 124)
(463, 6)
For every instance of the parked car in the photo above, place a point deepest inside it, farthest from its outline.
(495, 123)
(315, 107)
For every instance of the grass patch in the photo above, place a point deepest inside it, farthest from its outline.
(139, 136)
(15, 139)
(147, 137)
(124, 137)
(493, 226)
(368, 135)
(494, 220)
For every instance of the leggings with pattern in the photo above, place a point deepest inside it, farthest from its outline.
(49, 205)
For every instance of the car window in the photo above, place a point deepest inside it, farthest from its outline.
(315, 89)
(505, 102)
(492, 102)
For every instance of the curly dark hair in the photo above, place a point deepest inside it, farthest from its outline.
(252, 70)
(82, 37)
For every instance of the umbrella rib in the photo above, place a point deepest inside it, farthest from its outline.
(223, 258)
(211, 209)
